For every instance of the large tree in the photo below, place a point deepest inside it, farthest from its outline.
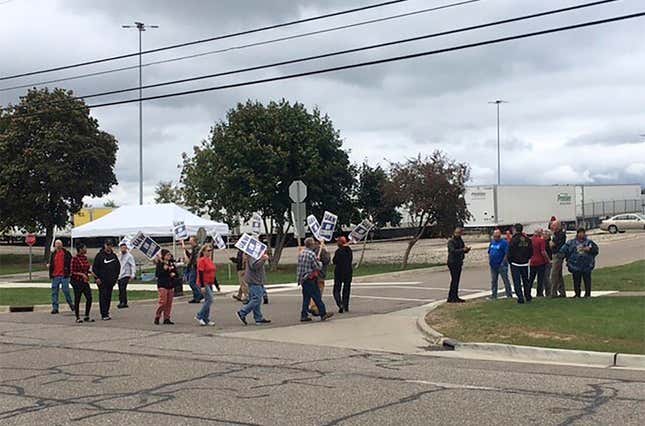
(373, 202)
(251, 158)
(432, 190)
(167, 192)
(52, 154)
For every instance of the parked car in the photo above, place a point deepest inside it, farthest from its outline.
(623, 222)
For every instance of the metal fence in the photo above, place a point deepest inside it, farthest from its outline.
(611, 208)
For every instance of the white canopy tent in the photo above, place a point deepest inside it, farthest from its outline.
(154, 220)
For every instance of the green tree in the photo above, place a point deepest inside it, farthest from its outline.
(52, 154)
(432, 190)
(373, 202)
(166, 192)
(110, 204)
(249, 161)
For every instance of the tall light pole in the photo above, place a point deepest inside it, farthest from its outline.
(499, 165)
(141, 27)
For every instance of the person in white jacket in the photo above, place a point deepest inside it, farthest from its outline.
(128, 272)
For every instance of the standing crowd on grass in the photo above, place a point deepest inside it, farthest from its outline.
(109, 269)
(540, 256)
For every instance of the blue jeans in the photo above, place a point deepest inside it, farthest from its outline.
(256, 294)
(63, 282)
(205, 312)
(495, 273)
(191, 277)
(521, 277)
(310, 291)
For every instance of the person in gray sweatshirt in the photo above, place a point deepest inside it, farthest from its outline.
(255, 277)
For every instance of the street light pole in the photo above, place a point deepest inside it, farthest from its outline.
(141, 27)
(499, 163)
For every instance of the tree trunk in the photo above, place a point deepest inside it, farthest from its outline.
(269, 234)
(360, 261)
(422, 227)
(281, 238)
(49, 237)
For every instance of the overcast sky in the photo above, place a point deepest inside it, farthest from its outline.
(576, 100)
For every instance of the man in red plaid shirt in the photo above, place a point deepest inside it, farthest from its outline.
(80, 271)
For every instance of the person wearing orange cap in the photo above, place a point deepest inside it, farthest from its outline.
(343, 261)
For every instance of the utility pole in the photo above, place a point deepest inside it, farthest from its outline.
(141, 27)
(499, 165)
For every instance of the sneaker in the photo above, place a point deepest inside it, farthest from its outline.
(305, 319)
(460, 300)
(211, 323)
(266, 300)
(119, 306)
(88, 319)
(78, 320)
(520, 301)
(327, 316)
(125, 306)
(54, 311)
(241, 317)
(341, 310)
(193, 301)
(156, 321)
(168, 322)
(263, 321)
(106, 318)
(200, 321)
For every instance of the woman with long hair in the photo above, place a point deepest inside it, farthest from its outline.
(166, 273)
(206, 279)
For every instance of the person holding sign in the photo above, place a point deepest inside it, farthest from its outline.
(206, 279)
(343, 259)
(128, 271)
(106, 269)
(191, 253)
(255, 277)
(166, 275)
(325, 260)
(307, 274)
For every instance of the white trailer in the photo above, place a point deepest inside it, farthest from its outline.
(502, 206)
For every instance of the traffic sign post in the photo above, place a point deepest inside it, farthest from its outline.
(30, 239)
(298, 194)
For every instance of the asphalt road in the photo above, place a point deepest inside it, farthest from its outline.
(129, 371)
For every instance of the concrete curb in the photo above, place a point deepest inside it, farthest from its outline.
(629, 361)
(430, 334)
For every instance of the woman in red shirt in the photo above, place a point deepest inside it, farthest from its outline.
(539, 261)
(206, 278)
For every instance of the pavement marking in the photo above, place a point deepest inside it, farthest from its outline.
(453, 385)
(471, 290)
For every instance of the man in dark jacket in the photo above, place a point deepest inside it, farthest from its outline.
(520, 251)
(581, 255)
(343, 259)
(456, 252)
(59, 271)
(106, 269)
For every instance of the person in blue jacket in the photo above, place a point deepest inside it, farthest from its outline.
(498, 262)
(581, 255)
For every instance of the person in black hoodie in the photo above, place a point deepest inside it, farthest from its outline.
(106, 269)
(343, 259)
(520, 251)
(456, 252)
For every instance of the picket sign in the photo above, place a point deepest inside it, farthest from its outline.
(314, 226)
(360, 231)
(219, 241)
(251, 246)
(180, 231)
(127, 240)
(327, 226)
(256, 223)
(146, 245)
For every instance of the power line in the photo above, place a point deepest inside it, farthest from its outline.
(206, 40)
(243, 46)
(360, 64)
(354, 50)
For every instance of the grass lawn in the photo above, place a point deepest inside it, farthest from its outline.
(607, 324)
(630, 277)
(42, 296)
(19, 263)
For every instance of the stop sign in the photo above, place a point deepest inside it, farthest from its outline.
(30, 239)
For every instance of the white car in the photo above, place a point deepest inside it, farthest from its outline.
(623, 222)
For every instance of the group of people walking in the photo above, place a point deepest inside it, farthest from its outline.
(110, 268)
(541, 256)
